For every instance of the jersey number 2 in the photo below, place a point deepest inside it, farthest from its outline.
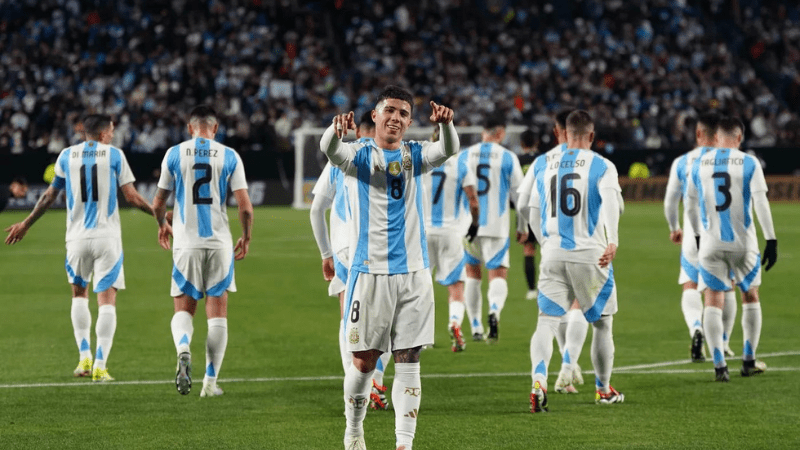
(197, 199)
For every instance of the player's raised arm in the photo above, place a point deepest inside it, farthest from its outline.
(331, 141)
(448, 143)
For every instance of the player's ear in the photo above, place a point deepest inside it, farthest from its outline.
(216, 127)
(591, 136)
(189, 129)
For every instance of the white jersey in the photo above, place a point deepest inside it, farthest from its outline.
(723, 181)
(90, 173)
(200, 171)
(499, 175)
(567, 189)
(447, 205)
(679, 175)
(387, 235)
(331, 185)
(526, 187)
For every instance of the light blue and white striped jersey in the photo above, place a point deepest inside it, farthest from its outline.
(91, 173)
(387, 232)
(331, 185)
(567, 189)
(447, 205)
(498, 176)
(723, 181)
(679, 175)
(526, 187)
(200, 171)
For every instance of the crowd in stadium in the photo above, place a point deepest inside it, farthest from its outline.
(643, 68)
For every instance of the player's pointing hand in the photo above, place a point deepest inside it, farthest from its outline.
(441, 114)
(344, 122)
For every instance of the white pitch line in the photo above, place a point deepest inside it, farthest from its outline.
(634, 369)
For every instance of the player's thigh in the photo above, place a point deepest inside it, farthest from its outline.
(218, 271)
(108, 267)
(368, 312)
(414, 314)
(747, 269)
(715, 270)
(79, 262)
(434, 251)
(594, 288)
(555, 293)
(340, 265)
(450, 259)
(495, 252)
(187, 272)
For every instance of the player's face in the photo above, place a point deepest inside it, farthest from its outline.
(18, 190)
(392, 118)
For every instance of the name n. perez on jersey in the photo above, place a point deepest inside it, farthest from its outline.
(200, 171)
(446, 205)
(499, 175)
(567, 189)
(90, 173)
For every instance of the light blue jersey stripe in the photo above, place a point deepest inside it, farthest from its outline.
(483, 182)
(700, 198)
(681, 172)
(566, 224)
(204, 228)
(115, 169)
(749, 170)
(549, 307)
(227, 169)
(539, 166)
(363, 162)
(690, 269)
(461, 199)
(437, 204)
(90, 206)
(64, 163)
(339, 199)
(174, 165)
(505, 182)
(397, 255)
(594, 201)
(725, 227)
(416, 158)
(714, 283)
(184, 285)
(111, 277)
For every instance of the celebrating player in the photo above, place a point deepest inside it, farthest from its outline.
(726, 186)
(90, 173)
(389, 304)
(200, 171)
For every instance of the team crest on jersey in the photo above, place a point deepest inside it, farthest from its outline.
(394, 168)
(354, 338)
(406, 161)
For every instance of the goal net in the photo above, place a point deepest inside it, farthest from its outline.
(309, 160)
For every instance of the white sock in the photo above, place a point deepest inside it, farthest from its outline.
(603, 352)
(347, 357)
(356, 399)
(380, 368)
(561, 334)
(497, 293)
(729, 316)
(216, 343)
(751, 329)
(104, 328)
(406, 395)
(692, 307)
(712, 329)
(542, 348)
(182, 330)
(577, 327)
(82, 326)
(456, 309)
(474, 303)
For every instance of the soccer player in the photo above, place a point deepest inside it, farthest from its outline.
(691, 299)
(450, 203)
(499, 175)
(200, 171)
(17, 189)
(529, 152)
(90, 172)
(389, 304)
(726, 186)
(574, 212)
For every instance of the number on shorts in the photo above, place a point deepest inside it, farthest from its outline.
(354, 314)
(724, 189)
(84, 191)
(205, 179)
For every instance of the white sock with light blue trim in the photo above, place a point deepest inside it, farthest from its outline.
(712, 328)
(577, 327)
(751, 329)
(692, 307)
(182, 330)
(474, 303)
(729, 316)
(216, 343)
(380, 368)
(603, 352)
(497, 293)
(542, 348)
(456, 310)
(82, 326)
(104, 328)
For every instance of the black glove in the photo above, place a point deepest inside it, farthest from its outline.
(472, 232)
(697, 239)
(770, 254)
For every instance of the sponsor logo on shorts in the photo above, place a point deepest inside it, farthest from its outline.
(354, 338)
(413, 391)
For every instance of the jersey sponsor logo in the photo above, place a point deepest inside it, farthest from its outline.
(394, 168)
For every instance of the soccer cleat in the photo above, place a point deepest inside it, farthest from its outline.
(721, 374)
(101, 375)
(532, 294)
(606, 398)
(697, 347)
(493, 329)
(211, 390)
(728, 352)
(377, 398)
(564, 384)
(477, 337)
(577, 376)
(538, 398)
(84, 368)
(753, 367)
(354, 443)
(183, 375)
(456, 338)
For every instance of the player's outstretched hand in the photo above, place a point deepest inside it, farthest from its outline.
(328, 269)
(441, 114)
(241, 249)
(472, 232)
(15, 233)
(608, 255)
(770, 254)
(164, 233)
(344, 122)
(676, 236)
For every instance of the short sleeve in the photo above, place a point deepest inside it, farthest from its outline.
(610, 179)
(167, 181)
(325, 185)
(238, 180)
(125, 175)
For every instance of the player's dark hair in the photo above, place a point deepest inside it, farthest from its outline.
(709, 121)
(580, 123)
(527, 138)
(20, 180)
(731, 126)
(495, 120)
(94, 124)
(204, 113)
(398, 93)
(366, 121)
(561, 118)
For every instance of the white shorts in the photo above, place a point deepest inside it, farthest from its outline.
(101, 257)
(341, 263)
(202, 270)
(492, 251)
(389, 312)
(446, 254)
(717, 268)
(593, 286)
(689, 266)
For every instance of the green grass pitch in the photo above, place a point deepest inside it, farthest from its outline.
(282, 373)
